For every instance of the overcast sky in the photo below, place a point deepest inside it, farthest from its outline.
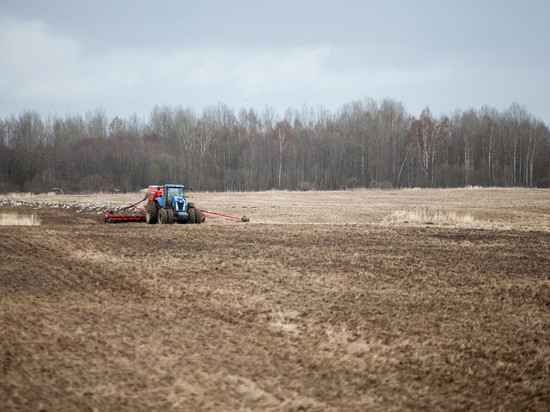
(66, 56)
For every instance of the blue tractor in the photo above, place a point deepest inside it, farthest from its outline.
(168, 204)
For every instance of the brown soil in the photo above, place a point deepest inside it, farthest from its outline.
(320, 302)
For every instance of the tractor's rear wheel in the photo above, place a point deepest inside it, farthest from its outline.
(163, 217)
(151, 213)
(198, 216)
(191, 212)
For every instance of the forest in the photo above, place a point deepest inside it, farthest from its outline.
(366, 143)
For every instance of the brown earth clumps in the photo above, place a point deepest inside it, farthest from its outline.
(323, 301)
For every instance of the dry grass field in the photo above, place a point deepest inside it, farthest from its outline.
(358, 300)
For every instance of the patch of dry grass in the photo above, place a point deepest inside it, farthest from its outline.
(18, 195)
(431, 217)
(14, 219)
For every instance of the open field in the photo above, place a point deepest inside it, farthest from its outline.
(378, 300)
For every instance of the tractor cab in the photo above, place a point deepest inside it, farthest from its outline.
(174, 197)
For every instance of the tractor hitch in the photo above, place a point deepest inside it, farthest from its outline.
(240, 219)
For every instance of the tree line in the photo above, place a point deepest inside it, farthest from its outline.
(363, 144)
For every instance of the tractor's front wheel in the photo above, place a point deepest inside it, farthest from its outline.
(151, 213)
(170, 216)
(191, 213)
(166, 216)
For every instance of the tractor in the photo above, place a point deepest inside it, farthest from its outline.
(168, 204)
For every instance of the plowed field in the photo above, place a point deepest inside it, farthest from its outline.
(362, 300)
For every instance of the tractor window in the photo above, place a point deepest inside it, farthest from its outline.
(173, 192)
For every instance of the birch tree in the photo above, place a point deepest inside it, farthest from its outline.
(282, 130)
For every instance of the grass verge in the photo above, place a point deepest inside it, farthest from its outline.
(14, 219)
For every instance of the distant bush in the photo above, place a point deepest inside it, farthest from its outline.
(6, 187)
(94, 183)
(384, 184)
(542, 183)
(351, 183)
(305, 186)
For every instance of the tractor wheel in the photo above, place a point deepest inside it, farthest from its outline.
(170, 216)
(151, 213)
(163, 216)
(190, 204)
(198, 216)
(191, 212)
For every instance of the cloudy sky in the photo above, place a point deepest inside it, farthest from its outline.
(66, 56)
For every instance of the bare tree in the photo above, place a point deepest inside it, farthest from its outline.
(490, 130)
(282, 130)
(538, 129)
(428, 132)
(185, 123)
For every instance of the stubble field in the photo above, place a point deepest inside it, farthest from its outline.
(358, 300)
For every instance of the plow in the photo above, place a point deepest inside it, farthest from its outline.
(165, 204)
(126, 214)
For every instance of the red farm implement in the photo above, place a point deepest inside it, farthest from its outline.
(120, 217)
(126, 214)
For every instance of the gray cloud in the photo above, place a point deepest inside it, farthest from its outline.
(249, 55)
